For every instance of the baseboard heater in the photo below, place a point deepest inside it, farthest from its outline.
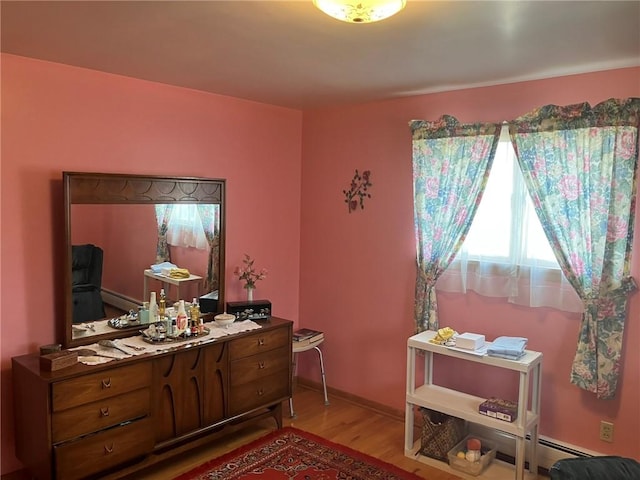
(549, 450)
(119, 301)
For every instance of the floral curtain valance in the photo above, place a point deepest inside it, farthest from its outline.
(611, 113)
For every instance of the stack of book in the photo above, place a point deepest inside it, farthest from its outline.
(306, 336)
(499, 408)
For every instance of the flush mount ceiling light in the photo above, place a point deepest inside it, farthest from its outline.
(360, 11)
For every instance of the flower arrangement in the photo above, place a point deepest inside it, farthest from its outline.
(358, 191)
(248, 273)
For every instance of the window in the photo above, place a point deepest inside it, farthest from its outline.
(185, 227)
(506, 229)
(506, 253)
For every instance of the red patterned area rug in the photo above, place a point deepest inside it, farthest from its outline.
(291, 454)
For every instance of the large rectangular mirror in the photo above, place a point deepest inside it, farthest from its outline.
(117, 227)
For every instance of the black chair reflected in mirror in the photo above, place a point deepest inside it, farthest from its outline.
(87, 283)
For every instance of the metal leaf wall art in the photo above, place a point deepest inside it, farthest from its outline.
(359, 190)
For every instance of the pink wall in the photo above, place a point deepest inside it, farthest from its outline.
(56, 118)
(353, 277)
(128, 236)
(357, 269)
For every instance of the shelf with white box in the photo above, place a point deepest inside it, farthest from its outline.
(465, 406)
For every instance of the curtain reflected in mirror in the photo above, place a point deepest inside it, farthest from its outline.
(190, 226)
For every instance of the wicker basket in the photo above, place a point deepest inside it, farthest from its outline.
(440, 433)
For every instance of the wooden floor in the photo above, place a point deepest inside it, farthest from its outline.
(380, 435)
(344, 422)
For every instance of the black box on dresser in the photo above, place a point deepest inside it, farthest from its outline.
(250, 309)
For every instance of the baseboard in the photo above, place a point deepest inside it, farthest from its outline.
(549, 449)
(119, 301)
(362, 402)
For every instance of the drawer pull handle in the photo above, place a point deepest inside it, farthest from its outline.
(108, 449)
(261, 365)
(104, 411)
(106, 383)
(261, 341)
(260, 392)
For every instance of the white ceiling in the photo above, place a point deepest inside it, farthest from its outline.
(289, 53)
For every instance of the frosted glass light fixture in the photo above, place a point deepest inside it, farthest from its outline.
(360, 11)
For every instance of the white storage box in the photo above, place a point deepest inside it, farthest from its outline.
(488, 453)
(470, 341)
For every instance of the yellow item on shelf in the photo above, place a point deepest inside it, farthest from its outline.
(179, 273)
(443, 335)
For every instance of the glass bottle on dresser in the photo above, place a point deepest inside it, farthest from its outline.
(153, 308)
(162, 306)
(196, 323)
(181, 319)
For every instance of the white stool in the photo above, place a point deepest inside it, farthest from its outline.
(298, 349)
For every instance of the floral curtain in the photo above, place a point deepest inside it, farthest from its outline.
(579, 164)
(451, 164)
(163, 214)
(210, 218)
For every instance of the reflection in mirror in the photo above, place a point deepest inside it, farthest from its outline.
(114, 245)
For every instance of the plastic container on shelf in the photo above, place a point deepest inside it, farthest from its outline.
(488, 453)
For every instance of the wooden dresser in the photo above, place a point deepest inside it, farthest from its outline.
(113, 419)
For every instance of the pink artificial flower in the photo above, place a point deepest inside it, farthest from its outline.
(248, 273)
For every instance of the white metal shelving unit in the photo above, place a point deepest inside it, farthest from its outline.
(465, 406)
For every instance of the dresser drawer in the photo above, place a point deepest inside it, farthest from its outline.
(261, 392)
(94, 416)
(101, 385)
(259, 342)
(104, 450)
(252, 368)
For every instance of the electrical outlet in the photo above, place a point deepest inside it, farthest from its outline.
(606, 431)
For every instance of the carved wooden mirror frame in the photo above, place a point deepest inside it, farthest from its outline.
(106, 189)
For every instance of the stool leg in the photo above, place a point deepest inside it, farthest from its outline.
(292, 413)
(324, 381)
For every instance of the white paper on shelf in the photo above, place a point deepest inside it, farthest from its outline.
(481, 352)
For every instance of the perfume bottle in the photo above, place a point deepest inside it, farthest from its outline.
(162, 306)
(143, 313)
(153, 308)
(182, 322)
(161, 331)
(195, 317)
